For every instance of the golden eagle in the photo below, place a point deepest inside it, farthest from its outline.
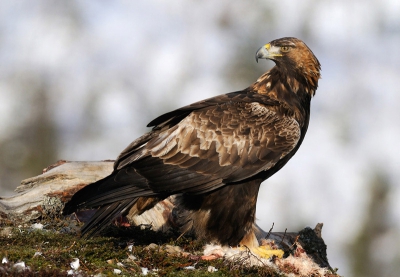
(215, 153)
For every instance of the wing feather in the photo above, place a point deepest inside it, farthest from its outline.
(229, 141)
(241, 139)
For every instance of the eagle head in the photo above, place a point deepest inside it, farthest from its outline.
(293, 58)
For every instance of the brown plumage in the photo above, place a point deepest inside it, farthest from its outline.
(215, 153)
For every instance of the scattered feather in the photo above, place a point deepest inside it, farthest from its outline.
(75, 264)
(38, 226)
(132, 257)
(20, 266)
(145, 270)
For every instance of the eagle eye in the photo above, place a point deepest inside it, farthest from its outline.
(285, 48)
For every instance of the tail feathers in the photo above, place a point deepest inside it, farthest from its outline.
(116, 187)
(105, 215)
(129, 192)
(113, 195)
(79, 199)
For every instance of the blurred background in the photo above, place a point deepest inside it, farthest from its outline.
(80, 80)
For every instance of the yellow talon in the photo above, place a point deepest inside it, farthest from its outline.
(266, 252)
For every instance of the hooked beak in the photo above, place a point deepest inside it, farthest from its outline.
(262, 53)
(268, 52)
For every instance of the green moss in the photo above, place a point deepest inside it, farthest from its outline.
(102, 253)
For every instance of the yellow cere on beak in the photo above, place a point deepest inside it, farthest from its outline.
(268, 52)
